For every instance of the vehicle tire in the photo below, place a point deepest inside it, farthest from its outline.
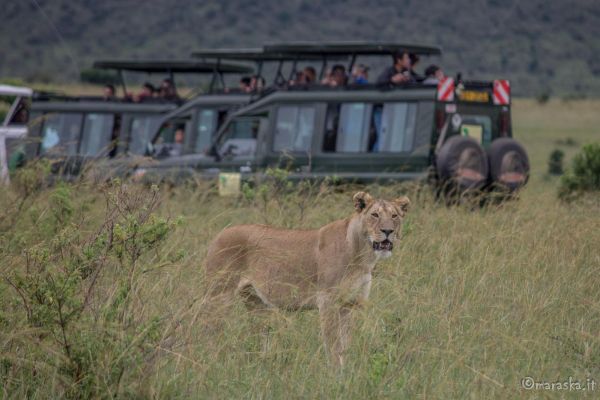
(509, 164)
(462, 162)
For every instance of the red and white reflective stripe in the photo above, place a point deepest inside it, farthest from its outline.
(445, 89)
(501, 92)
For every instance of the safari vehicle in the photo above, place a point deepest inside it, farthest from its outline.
(116, 132)
(457, 133)
(201, 117)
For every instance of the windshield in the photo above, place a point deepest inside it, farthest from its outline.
(239, 140)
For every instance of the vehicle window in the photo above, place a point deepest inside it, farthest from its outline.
(60, 133)
(294, 128)
(397, 132)
(141, 131)
(479, 127)
(97, 134)
(170, 140)
(353, 128)
(239, 140)
(207, 125)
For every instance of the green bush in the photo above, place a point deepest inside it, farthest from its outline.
(63, 328)
(584, 175)
(555, 163)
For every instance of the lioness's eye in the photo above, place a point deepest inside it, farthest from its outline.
(375, 215)
(395, 216)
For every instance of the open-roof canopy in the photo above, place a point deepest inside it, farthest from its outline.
(256, 54)
(350, 48)
(174, 66)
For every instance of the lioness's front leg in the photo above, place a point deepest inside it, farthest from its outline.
(335, 327)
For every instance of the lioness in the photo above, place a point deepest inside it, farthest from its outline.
(328, 268)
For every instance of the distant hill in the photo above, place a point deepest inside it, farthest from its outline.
(543, 46)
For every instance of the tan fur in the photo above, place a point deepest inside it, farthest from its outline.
(328, 268)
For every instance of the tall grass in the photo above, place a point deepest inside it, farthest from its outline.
(470, 303)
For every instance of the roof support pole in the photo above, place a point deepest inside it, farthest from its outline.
(123, 85)
(351, 65)
(259, 68)
(293, 70)
(279, 78)
(323, 67)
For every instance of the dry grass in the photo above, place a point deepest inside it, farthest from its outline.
(471, 303)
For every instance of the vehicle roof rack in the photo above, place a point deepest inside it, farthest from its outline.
(261, 55)
(171, 67)
(256, 54)
(350, 48)
(174, 66)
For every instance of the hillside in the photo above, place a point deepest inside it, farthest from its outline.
(543, 46)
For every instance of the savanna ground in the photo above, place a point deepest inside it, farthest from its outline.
(471, 303)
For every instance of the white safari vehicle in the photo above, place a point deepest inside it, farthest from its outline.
(14, 125)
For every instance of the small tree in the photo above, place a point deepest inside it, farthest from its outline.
(555, 163)
(584, 175)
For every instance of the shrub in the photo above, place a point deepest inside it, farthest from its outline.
(543, 97)
(584, 174)
(555, 163)
(75, 320)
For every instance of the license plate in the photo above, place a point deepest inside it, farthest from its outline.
(470, 95)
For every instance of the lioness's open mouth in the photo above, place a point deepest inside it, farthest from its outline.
(385, 245)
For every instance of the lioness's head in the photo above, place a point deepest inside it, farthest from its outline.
(381, 220)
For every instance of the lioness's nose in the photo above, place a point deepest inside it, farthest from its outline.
(387, 232)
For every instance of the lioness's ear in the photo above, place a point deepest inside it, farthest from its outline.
(403, 203)
(361, 201)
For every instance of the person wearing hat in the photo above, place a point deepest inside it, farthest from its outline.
(360, 74)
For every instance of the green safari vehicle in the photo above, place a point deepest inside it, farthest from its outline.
(114, 133)
(455, 132)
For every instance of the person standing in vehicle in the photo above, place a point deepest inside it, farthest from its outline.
(167, 90)
(337, 77)
(310, 75)
(109, 92)
(257, 83)
(360, 74)
(433, 75)
(399, 72)
(246, 84)
(146, 93)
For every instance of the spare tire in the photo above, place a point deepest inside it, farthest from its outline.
(509, 163)
(462, 162)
